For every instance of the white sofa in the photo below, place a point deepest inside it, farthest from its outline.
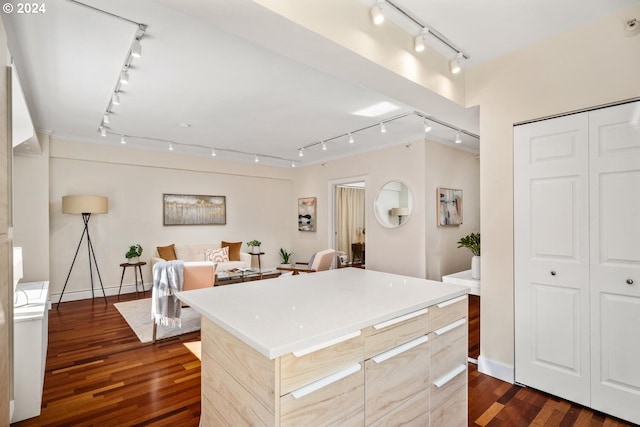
(196, 252)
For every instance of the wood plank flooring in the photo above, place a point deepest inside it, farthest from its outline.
(99, 374)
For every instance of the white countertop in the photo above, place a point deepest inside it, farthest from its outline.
(292, 313)
(463, 278)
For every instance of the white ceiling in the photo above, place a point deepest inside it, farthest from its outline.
(244, 78)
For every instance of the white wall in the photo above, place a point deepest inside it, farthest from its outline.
(450, 168)
(592, 65)
(31, 211)
(258, 207)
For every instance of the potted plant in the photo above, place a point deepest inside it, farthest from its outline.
(472, 242)
(255, 246)
(133, 254)
(285, 257)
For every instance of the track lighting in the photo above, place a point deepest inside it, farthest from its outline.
(213, 152)
(427, 127)
(293, 164)
(105, 119)
(418, 41)
(136, 49)
(383, 129)
(300, 152)
(377, 16)
(351, 140)
(124, 77)
(171, 146)
(455, 64)
(458, 140)
(103, 131)
(256, 159)
(123, 140)
(115, 99)
(324, 146)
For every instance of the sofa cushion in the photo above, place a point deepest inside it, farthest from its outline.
(168, 253)
(194, 252)
(217, 255)
(234, 249)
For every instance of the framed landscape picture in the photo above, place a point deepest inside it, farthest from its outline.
(307, 214)
(449, 206)
(187, 209)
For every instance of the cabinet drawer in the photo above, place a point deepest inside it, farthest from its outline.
(445, 386)
(448, 347)
(414, 412)
(307, 366)
(453, 411)
(327, 402)
(448, 311)
(387, 335)
(393, 377)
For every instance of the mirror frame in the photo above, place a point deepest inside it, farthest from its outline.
(383, 221)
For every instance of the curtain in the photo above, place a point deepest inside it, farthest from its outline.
(351, 213)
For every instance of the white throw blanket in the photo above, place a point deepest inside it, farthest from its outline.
(165, 305)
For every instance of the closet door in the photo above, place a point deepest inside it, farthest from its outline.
(551, 256)
(614, 135)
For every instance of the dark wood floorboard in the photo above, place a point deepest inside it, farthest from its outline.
(99, 374)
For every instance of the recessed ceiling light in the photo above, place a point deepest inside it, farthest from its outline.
(376, 110)
(184, 125)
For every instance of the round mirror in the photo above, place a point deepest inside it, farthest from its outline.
(393, 204)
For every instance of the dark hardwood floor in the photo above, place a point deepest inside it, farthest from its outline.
(99, 374)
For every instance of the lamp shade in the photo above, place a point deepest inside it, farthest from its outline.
(399, 211)
(85, 204)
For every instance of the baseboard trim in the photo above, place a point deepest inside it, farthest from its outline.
(86, 294)
(496, 369)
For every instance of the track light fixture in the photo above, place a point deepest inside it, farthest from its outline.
(115, 99)
(324, 146)
(171, 146)
(301, 152)
(293, 164)
(103, 131)
(455, 63)
(124, 76)
(418, 41)
(377, 15)
(105, 119)
(427, 127)
(351, 140)
(213, 152)
(458, 140)
(383, 129)
(136, 49)
(256, 159)
(123, 140)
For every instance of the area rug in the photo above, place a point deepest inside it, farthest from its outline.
(137, 313)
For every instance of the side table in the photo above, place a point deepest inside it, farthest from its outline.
(137, 268)
(258, 255)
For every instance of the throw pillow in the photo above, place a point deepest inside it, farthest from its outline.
(217, 255)
(167, 253)
(234, 249)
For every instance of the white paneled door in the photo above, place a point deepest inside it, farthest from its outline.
(551, 224)
(577, 258)
(614, 139)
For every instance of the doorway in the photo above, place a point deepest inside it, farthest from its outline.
(349, 222)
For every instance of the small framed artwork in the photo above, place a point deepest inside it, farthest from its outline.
(449, 206)
(188, 209)
(307, 214)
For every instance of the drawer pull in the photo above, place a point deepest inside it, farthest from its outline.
(400, 349)
(396, 320)
(325, 344)
(450, 327)
(443, 380)
(451, 302)
(317, 385)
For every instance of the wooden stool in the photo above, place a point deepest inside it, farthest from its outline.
(137, 267)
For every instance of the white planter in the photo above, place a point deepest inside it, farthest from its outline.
(255, 249)
(285, 265)
(475, 267)
(133, 260)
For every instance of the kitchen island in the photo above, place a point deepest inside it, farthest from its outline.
(341, 347)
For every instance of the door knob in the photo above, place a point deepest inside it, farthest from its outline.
(629, 281)
(553, 272)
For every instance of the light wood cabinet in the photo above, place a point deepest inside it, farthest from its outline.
(382, 375)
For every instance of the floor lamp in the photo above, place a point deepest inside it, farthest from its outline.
(85, 205)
